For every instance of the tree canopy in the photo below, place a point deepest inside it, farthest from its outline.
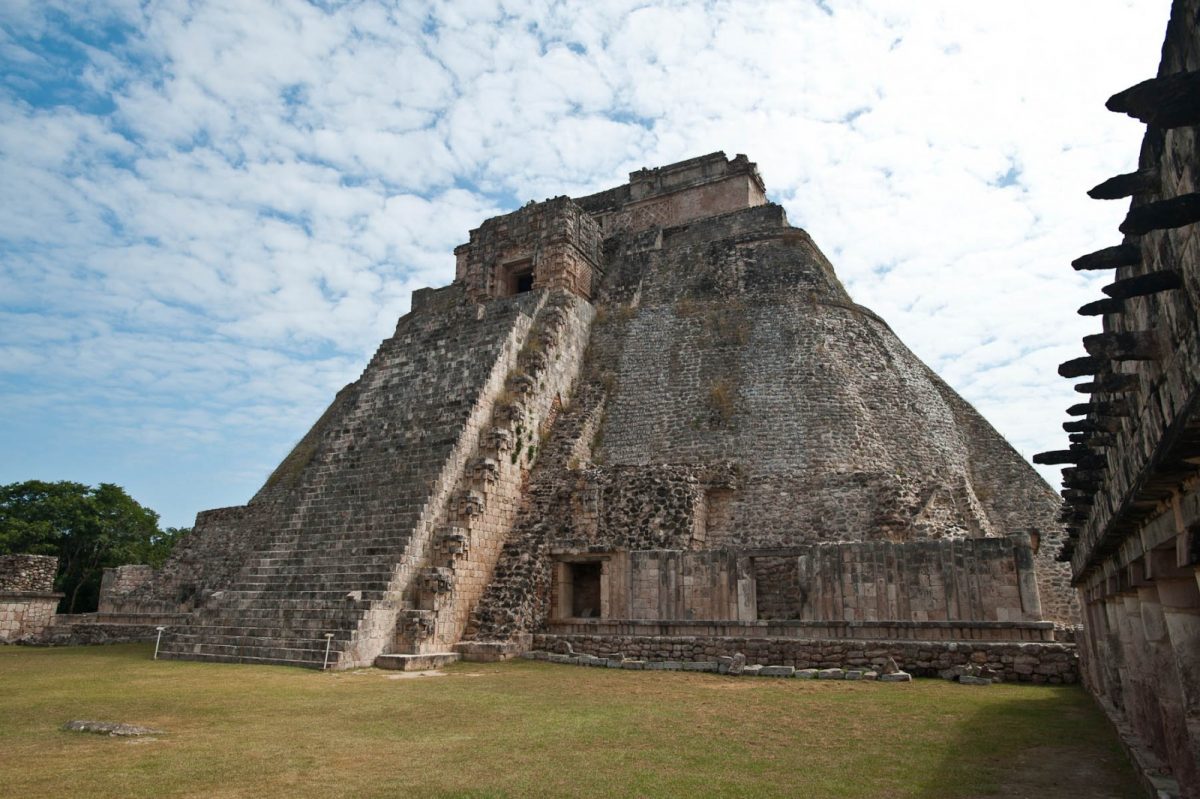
(87, 528)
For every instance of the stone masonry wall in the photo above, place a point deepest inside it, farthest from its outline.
(1015, 662)
(119, 582)
(973, 580)
(27, 598)
(662, 197)
(556, 239)
(1132, 487)
(26, 616)
(32, 573)
(735, 397)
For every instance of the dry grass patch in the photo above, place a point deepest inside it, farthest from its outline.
(534, 729)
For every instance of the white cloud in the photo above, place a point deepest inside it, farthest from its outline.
(212, 213)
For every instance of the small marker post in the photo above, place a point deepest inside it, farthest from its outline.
(328, 641)
(158, 641)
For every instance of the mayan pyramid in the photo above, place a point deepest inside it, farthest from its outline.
(647, 413)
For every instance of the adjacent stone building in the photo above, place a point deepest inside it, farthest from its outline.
(1132, 486)
(652, 419)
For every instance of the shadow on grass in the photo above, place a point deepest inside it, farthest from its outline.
(1075, 753)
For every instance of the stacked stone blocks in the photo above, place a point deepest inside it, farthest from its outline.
(27, 597)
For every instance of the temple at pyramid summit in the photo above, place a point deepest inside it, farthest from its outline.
(649, 421)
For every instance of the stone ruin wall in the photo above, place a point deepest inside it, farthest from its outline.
(1047, 663)
(557, 240)
(27, 597)
(663, 197)
(1132, 488)
(119, 582)
(967, 580)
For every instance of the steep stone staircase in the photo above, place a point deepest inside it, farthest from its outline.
(460, 558)
(336, 587)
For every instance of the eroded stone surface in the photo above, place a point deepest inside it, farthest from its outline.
(116, 729)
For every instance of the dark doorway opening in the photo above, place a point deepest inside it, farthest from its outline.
(523, 282)
(585, 590)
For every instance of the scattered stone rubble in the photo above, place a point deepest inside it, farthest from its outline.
(111, 728)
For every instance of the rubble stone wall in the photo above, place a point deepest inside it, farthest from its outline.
(28, 573)
(1014, 662)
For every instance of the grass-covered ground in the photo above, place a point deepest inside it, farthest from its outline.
(533, 729)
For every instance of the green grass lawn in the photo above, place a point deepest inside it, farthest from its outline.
(533, 729)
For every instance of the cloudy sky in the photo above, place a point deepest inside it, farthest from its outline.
(212, 212)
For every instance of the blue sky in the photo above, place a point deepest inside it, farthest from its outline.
(211, 213)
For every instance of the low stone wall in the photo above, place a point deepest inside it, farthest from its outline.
(86, 633)
(1014, 662)
(940, 631)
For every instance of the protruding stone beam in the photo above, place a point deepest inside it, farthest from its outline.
(1141, 285)
(1126, 185)
(1081, 457)
(1077, 497)
(1137, 345)
(1170, 101)
(1078, 367)
(1085, 475)
(1102, 307)
(1068, 550)
(1111, 408)
(1109, 258)
(1109, 384)
(1172, 213)
(1070, 514)
(1092, 426)
(1055, 456)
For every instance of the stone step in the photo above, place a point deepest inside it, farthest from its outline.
(292, 656)
(329, 571)
(183, 642)
(299, 588)
(346, 562)
(432, 660)
(292, 604)
(247, 659)
(266, 627)
(341, 631)
(335, 541)
(283, 612)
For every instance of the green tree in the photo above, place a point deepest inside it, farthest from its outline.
(87, 528)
